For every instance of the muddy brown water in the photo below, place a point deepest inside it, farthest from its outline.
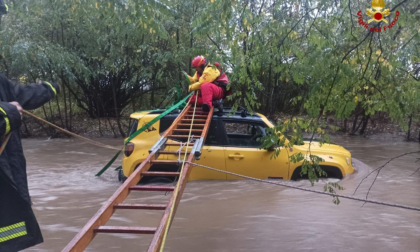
(232, 215)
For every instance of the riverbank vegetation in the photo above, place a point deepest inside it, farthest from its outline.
(302, 59)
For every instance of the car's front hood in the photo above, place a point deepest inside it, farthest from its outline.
(316, 148)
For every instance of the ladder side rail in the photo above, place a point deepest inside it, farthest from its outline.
(204, 133)
(159, 145)
(166, 220)
(181, 116)
(86, 234)
(158, 236)
(207, 124)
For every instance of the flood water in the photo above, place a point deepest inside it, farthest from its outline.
(229, 216)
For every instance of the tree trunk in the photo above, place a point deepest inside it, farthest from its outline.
(365, 121)
(354, 128)
(409, 127)
(112, 127)
(59, 111)
(49, 130)
(70, 113)
(99, 127)
(345, 125)
(117, 113)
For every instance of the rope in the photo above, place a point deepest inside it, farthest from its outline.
(73, 134)
(106, 145)
(3, 145)
(176, 191)
(147, 125)
(310, 190)
(182, 145)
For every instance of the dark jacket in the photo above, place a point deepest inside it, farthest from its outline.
(18, 226)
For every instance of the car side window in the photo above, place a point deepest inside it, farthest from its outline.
(215, 135)
(244, 134)
(165, 123)
(133, 126)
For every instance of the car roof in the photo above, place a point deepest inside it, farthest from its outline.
(228, 113)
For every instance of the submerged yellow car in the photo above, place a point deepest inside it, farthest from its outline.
(232, 145)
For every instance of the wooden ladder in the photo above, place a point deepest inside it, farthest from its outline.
(179, 130)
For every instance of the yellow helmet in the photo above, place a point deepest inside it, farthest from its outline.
(378, 4)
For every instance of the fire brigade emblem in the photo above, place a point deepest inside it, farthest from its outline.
(378, 13)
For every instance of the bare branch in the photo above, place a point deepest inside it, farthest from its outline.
(370, 57)
(418, 169)
(378, 170)
(396, 6)
(356, 46)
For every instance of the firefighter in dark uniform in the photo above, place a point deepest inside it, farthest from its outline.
(18, 226)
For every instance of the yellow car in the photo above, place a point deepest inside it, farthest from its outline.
(232, 145)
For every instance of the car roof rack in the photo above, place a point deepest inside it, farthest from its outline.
(241, 111)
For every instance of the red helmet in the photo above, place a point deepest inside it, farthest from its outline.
(198, 61)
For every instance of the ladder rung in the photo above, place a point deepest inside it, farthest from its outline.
(160, 173)
(163, 161)
(152, 188)
(196, 116)
(127, 230)
(197, 113)
(195, 120)
(172, 152)
(176, 144)
(194, 125)
(140, 206)
(188, 130)
(179, 136)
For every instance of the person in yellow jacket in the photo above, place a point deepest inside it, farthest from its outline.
(210, 80)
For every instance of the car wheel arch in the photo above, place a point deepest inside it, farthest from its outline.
(332, 172)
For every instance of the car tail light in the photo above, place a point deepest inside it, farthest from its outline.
(128, 149)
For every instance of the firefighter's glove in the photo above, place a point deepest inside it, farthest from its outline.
(195, 86)
(185, 74)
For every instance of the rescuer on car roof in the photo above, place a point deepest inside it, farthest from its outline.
(211, 81)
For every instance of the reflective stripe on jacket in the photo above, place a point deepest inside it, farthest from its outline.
(18, 226)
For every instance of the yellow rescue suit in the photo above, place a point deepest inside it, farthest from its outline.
(210, 74)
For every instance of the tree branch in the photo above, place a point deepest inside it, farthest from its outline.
(356, 46)
(379, 170)
(396, 6)
(220, 49)
(370, 57)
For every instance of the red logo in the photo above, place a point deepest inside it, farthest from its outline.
(377, 14)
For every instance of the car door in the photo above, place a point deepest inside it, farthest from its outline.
(243, 155)
(212, 154)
